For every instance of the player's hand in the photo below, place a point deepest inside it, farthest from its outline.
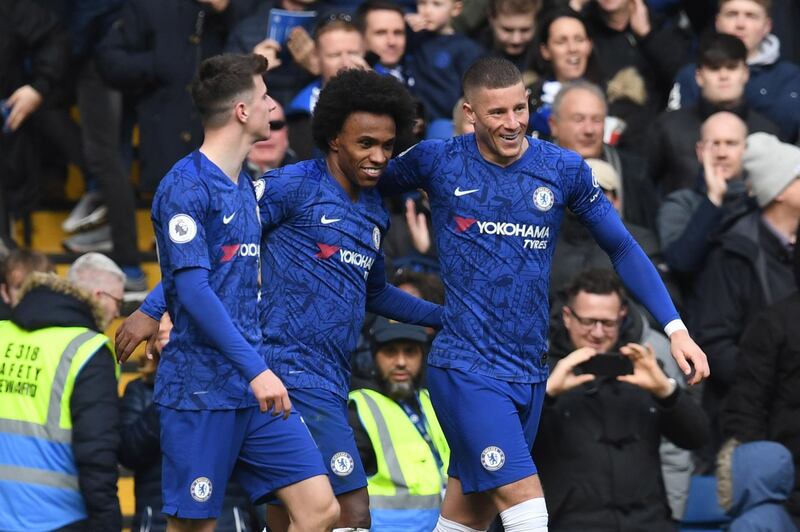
(23, 102)
(640, 18)
(269, 48)
(418, 227)
(689, 356)
(303, 50)
(647, 374)
(563, 378)
(715, 183)
(136, 328)
(271, 394)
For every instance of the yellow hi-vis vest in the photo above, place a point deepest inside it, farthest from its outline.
(38, 475)
(405, 493)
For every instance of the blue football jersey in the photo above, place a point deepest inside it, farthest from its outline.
(496, 230)
(202, 219)
(319, 248)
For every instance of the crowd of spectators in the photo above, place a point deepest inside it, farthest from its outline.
(688, 113)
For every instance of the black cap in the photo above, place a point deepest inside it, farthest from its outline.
(385, 330)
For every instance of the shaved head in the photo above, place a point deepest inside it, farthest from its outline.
(723, 121)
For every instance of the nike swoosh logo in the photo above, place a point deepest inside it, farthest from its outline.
(458, 192)
(327, 221)
(227, 219)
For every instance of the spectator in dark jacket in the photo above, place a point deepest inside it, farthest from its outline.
(152, 52)
(140, 451)
(577, 123)
(29, 35)
(595, 431)
(510, 34)
(753, 481)
(749, 269)
(764, 399)
(774, 85)
(631, 47)
(688, 219)
(671, 142)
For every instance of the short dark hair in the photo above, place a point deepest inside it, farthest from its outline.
(513, 7)
(355, 90)
(221, 78)
(374, 5)
(599, 281)
(719, 50)
(429, 284)
(490, 73)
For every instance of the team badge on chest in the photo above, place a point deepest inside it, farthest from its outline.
(543, 198)
(376, 237)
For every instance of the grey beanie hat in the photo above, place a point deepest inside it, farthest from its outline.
(771, 166)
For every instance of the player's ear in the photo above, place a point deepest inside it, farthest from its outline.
(468, 112)
(240, 111)
(333, 144)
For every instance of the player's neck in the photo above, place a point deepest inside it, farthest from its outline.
(227, 150)
(351, 189)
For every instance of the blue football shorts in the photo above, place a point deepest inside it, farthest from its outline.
(202, 449)
(490, 425)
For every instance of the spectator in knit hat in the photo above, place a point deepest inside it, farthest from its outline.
(750, 266)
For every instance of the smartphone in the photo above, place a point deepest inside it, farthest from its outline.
(607, 365)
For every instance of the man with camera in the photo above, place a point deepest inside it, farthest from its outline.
(608, 404)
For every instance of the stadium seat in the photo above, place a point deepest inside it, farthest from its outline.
(703, 512)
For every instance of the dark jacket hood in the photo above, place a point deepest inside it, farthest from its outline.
(763, 472)
(50, 301)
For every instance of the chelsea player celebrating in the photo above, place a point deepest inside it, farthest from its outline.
(213, 385)
(323, 224)
(498, 198)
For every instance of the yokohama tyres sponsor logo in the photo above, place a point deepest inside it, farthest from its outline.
(346, 256)
(241, 250)
(534, 236)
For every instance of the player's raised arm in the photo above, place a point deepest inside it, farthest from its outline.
(389, 301)
(635, 269)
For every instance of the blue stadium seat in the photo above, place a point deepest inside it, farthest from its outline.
(703, 512)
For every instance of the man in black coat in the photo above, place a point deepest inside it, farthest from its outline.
(29, 35)
(152, 53)
(597, 449)
(764, 398)
(749, 268)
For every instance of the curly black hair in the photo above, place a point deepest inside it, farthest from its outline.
(355, 90)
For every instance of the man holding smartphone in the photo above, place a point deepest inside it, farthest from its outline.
(596, 428)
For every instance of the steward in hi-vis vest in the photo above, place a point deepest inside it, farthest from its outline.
(59, 412)
(400, 441)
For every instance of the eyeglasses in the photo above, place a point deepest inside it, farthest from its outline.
(590, 323)
(117, 301)
(277, 125)
(331, 19)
